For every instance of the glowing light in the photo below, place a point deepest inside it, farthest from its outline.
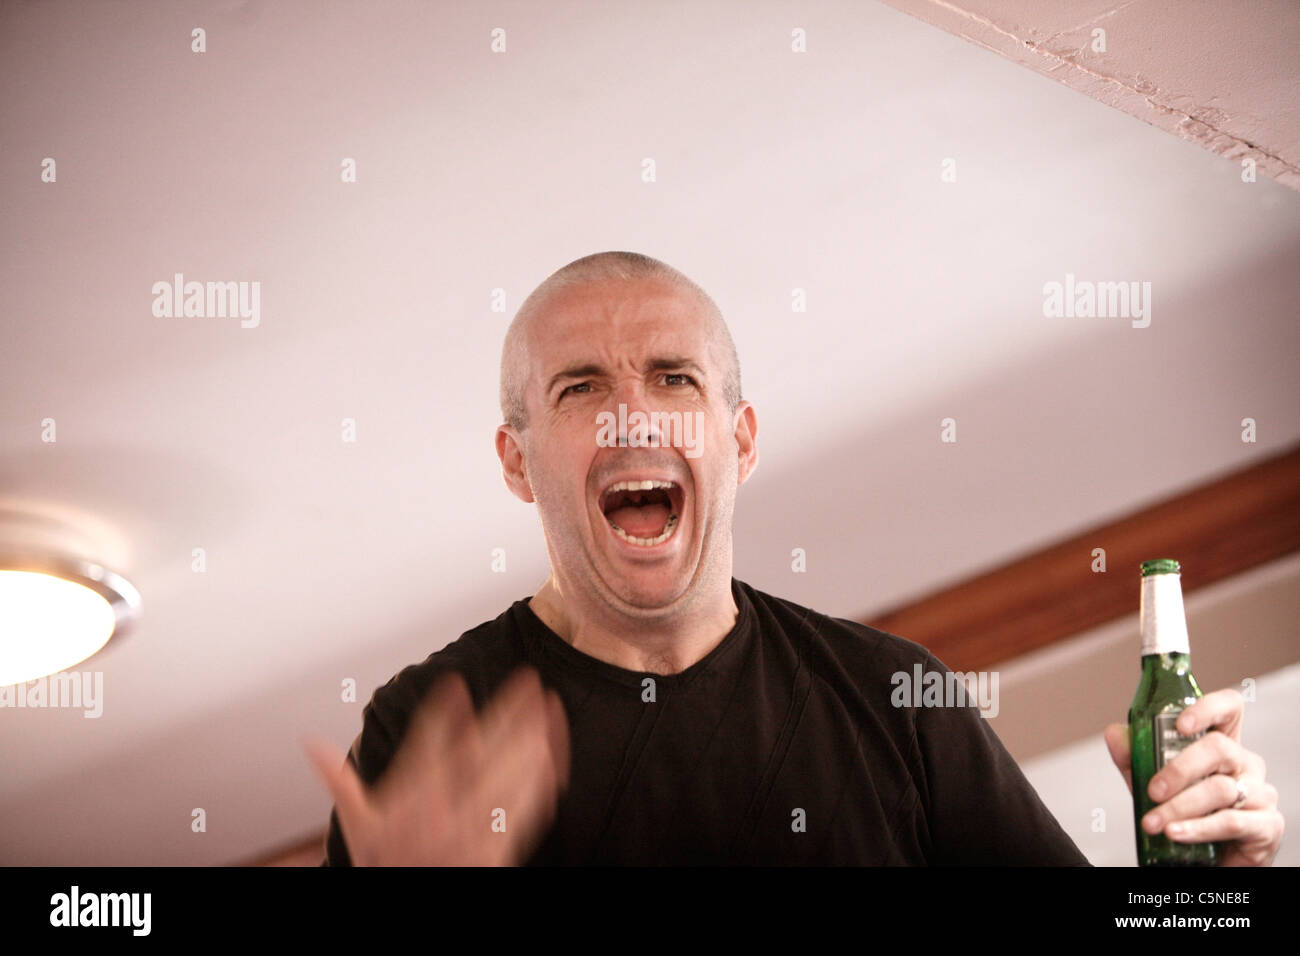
(49, 623)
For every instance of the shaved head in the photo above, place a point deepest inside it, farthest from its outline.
(600, 267)
(606, 334)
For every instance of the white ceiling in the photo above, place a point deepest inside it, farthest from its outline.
(479, 171)
(1222, 75)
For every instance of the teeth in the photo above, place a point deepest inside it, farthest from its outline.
(638, 485)
(647, 542)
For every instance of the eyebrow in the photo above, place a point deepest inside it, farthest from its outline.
(595, 370)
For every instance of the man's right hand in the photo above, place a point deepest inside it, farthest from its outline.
(461, 790)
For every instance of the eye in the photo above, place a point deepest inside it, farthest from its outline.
(680, 375)
(572, 387)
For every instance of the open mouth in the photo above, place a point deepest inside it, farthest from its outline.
(643, 512)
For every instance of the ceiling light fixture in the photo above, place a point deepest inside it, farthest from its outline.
(56, 611)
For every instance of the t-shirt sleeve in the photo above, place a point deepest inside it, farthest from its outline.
(980, 807)
(369, 754)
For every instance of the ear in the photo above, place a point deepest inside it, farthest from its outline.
(746, 433)
(510, 451)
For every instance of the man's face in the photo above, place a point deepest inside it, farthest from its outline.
(646, 346)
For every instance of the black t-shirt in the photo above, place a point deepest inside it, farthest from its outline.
(781, 746)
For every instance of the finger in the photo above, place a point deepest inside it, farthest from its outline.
(1215, 792)
(1116, 737)
(1213, 753)
(430, 764)
(557, 724)
(1250, 826)
(441, 725)
(521, 692)
(525, 784)
(447, 701)
(351, 801)
(520, 777)
(518, 747)
(1223, 709)
(466, 765)
(492, 815)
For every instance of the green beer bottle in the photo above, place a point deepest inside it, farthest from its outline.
(1165, 688)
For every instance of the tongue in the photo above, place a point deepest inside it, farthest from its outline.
(647, 521)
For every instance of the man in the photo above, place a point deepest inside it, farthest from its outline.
(644, 707)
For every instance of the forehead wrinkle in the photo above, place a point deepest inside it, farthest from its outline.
(592, 368)
(621, 301)
(604, 335)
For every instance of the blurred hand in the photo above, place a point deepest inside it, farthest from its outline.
(461, 790)
(1250, 833)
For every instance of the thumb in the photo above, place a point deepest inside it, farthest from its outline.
(339, 776)
(1117, 743)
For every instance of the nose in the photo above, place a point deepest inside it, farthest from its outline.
(638, 424)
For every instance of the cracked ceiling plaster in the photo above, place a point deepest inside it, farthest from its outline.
(1221, 75)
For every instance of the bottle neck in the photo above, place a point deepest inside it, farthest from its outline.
(1164, 623)
(1166, 662)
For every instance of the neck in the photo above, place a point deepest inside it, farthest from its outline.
(664, 645)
